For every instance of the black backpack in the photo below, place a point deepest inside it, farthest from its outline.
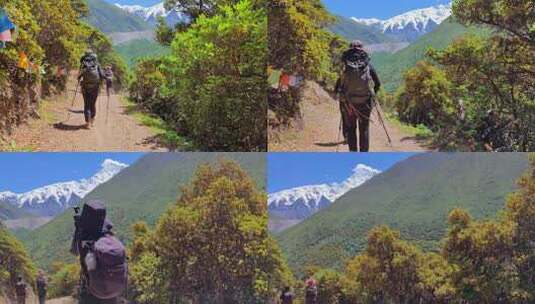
(355, 81)
(90, 70)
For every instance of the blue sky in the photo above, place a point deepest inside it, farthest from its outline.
(288, 170)
(21, 172)
(381, 9)
(145, 3)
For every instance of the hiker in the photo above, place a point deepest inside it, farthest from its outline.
(108, 75)
(91, 77)
(103, 275)
(311, 291)
(287, 297)
(356, 100)
(20, 290)
(41, 286)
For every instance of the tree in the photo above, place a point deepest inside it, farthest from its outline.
(426, 97)
(298, 44)
(520, 211)
(213, 246)
(65, 281)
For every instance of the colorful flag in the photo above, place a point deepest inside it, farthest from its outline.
(5, 23)
(24, 62)
(295, 81)
(5, 36)
(284, 82)
(274, 78)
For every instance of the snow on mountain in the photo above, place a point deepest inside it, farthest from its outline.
(412, 24)
(52, 199)
(301, 202)
(151, 14)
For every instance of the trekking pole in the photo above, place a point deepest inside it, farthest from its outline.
(108, 107)
(73, 101)
(381, 120)
(339, 133)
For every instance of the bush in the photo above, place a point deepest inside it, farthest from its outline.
(211, 87)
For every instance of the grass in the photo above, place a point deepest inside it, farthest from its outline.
(164, 133)
(11, 146)
(419, 131)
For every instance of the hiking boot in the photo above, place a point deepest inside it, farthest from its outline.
(92, 122)
(87, 125)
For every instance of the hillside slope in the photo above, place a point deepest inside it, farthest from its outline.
(415, 197)
(109, 18)
(139, 193)
(392, 67)
(352, 30)
(133, 50)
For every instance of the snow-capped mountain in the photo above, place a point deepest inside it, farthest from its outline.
(53, 199)
(411, 25)
(151, 14)
(301, 202)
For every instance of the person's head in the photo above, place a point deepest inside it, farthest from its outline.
(40, 272)
(89, 52)
(108, 67)
(19, 278)
(356, 44)
(287, 289)
(311, 282)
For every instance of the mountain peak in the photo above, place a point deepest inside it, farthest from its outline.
(300, 202)
(413, 23)
(55, 197)
(151, 14)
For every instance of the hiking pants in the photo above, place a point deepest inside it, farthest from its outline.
(109, 86)
(42, 299)
(21, 299)
(90, 103)
(357, 116)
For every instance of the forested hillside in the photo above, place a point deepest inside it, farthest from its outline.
(478, 260)
(134, 50)
(392, 67)
(109, 18)
(413, 197)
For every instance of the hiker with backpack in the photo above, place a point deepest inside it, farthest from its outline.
(356, 96)
(311, 291)
(287, 296)
(108, 76)
(103, 275)
(42, 285)
(90, 78)
(20, 290)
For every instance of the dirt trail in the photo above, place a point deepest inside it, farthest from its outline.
(61, 127)
(320, 129)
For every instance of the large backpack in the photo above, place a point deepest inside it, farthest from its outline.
(90, 72)
(356, 76)
(109, 278)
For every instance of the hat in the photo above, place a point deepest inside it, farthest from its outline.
(356, 44)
